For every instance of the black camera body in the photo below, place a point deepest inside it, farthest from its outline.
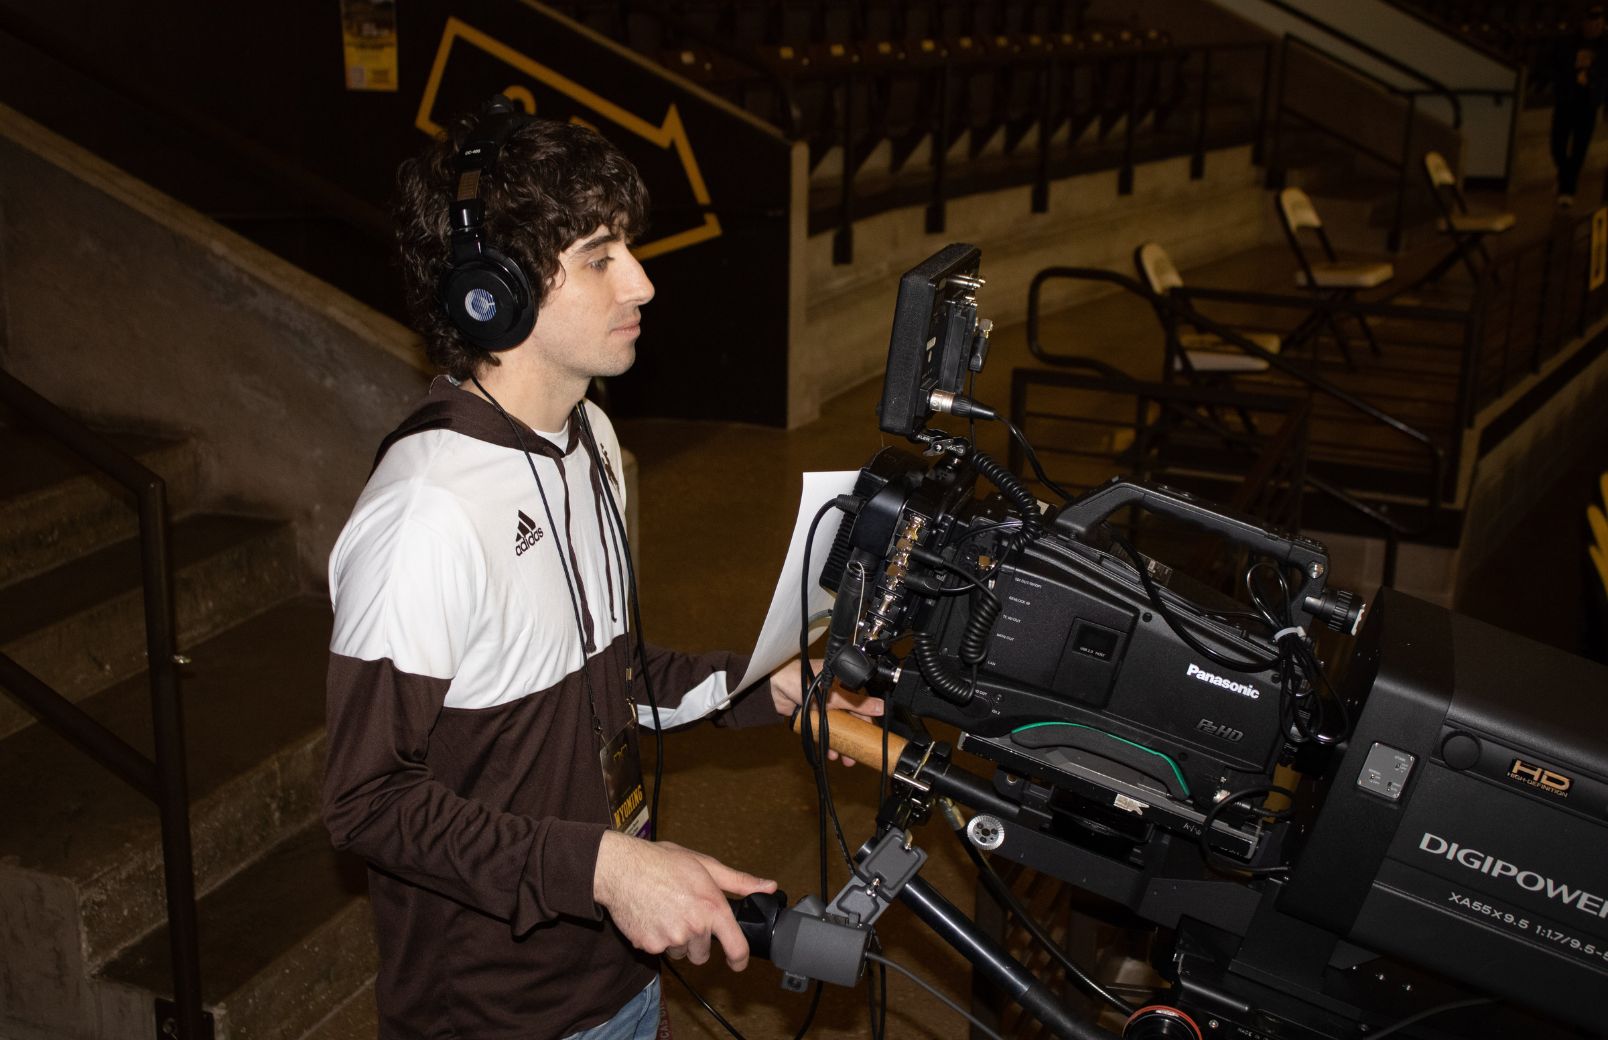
(1456, 821)
(1488, 859)
(1080, 681)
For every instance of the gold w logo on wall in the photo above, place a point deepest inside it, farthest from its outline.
(463, 45)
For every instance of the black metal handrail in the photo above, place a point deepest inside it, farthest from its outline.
(1403, 164)
(1275, 465)
(1431, 85)
(163, 780)
(1174, 309)
(1400, 165)
(1182, 311)
(1439, 24)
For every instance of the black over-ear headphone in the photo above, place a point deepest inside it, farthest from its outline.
(486, 295)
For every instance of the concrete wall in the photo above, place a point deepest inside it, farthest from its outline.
(1513, 475)
(127, 308)
(843, 339)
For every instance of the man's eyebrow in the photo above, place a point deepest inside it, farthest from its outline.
(598, 240)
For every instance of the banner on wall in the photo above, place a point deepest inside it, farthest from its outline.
(657, 141)
(368, 32)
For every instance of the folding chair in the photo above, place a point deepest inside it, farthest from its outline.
(1197, 353)
(1328, 278)
(1201, 356)
(1466, 228)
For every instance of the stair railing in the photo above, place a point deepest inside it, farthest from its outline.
(162, 780)
(1400, 165)
(1175, 309)
(1431, 84)
(1403, 164)
(1273, 484)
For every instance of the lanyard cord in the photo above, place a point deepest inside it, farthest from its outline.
(569, 582)
(634, 612)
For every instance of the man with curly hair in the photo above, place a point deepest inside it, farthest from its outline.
(486, 675)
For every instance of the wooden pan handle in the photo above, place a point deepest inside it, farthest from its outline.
(858, 739)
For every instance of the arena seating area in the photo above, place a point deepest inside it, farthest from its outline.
(911, 101)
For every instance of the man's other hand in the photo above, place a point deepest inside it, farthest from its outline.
(788, 692)
(671, 900)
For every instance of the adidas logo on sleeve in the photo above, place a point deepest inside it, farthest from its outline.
(526, 534)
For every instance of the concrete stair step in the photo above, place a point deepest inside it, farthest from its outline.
(357, 1019)
(253, 704)
(80, 626)
(54, 506)
(282, 942)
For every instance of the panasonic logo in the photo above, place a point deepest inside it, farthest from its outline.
(1529, 880)
(1199, 674)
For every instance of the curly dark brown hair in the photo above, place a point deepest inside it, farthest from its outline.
(553, 183)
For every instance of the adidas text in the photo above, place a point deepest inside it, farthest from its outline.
(526, 534)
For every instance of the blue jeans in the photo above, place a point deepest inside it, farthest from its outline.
(637, 1020)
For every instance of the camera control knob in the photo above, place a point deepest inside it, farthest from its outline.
(986, 832)
(1159, 1022)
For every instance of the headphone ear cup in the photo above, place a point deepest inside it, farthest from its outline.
(488, 299)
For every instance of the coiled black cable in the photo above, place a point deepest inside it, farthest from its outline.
(1013, 490)
(947, 684)
(985, 608)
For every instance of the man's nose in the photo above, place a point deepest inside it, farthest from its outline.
(635, 288)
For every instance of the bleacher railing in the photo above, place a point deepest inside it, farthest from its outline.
(1530, 304)
(1050, 104)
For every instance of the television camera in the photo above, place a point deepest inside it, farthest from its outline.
(1430, 834)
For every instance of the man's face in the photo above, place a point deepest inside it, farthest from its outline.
(589, 322)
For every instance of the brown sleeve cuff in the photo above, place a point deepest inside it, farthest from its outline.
(558, 875)
(750, 707)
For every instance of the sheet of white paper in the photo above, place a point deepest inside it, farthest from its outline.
(778, 640)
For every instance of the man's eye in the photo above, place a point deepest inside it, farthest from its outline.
(601, 263)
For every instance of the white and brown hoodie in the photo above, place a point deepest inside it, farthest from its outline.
(463, 764)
